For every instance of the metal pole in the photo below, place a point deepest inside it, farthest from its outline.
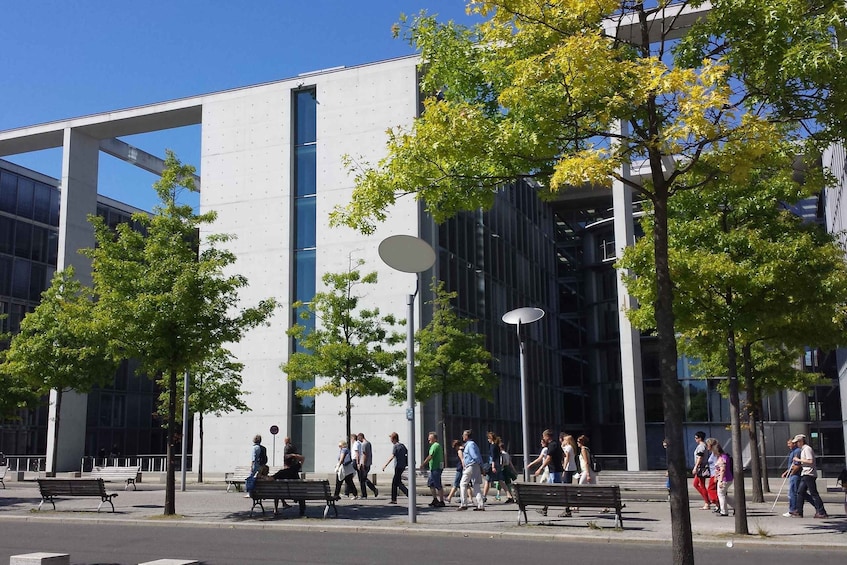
(410, 399)
(184, 462)
(524, 406)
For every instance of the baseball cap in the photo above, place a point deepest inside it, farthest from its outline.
(798, 437)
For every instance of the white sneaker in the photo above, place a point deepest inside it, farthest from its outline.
(787, 514)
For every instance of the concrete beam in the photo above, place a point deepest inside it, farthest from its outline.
(670, 22)
(138, 157)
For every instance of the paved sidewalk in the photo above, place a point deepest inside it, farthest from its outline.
(646, 517)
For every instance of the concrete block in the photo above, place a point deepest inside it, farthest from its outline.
(171, 562)
(40, 558)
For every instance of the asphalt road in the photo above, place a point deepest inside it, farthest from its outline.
(130, 544)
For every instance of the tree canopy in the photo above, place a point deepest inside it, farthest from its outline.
(346, 350)
(574, 92)
(169, 300)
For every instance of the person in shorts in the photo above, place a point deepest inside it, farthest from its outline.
(435, 462)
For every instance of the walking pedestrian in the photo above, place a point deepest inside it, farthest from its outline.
(400, 456)
(344, 472)
(807, 490)
(792, 474)
(365, 462)
(471, 473)
(701, 471)
(434, 462)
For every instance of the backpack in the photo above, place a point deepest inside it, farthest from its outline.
(402, 457)
(263, 455)
(595, 465)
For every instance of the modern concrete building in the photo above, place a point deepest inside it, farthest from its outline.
(272, 168)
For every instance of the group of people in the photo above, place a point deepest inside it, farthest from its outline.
(471, 466)
(802, 475)
(712, 473)
(354, 459)
(564, 459)
(292, 465)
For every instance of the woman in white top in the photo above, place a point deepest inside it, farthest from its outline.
(586, 475)
(569, 447)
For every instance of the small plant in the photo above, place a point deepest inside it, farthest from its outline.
(761, 531)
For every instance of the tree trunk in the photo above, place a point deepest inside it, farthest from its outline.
(765, 483)
(735, 425)
(672, 396)
(750, 391)
(349, 423)
(200, 450)
(170, 484)
(55, 455)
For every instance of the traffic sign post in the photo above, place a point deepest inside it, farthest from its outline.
(274, 430)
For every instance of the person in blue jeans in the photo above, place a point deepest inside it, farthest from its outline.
(793, 475)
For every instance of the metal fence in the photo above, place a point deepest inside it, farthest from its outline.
(150, 463)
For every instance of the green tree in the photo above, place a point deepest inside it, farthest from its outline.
(450, 359)
(575, 92)
(61, 346)
(747, 271)
(214, 388)
(346, 350)
(167, 304)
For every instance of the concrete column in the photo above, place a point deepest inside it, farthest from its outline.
(631, 376)
(80, 157)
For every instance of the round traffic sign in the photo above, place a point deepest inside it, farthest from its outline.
(274, 429)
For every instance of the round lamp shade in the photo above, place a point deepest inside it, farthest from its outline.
(406, 253)
(523, 315)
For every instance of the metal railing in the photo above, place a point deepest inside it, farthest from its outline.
(149, 463)
(34, 463)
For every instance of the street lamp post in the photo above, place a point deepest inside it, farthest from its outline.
(516, 318)
(409, 254)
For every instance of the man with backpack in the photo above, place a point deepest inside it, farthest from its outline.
(400, 456)
(259, 455)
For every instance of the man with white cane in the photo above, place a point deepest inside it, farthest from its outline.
(792, 473)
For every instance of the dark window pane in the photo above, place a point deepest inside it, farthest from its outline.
(7, 234)
(306, 125)
(305, 174)
(55, 200)
(8, 192)
(304, 282)
(20, 279)
(39, 244)
(304, 219)
(53, 248)
(23, 239)
(36, 282)
(41, 206)
(5, 276)
(26, 188)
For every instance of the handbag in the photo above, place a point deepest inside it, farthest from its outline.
(339, 472)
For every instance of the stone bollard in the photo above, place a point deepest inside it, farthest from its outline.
(40, 558)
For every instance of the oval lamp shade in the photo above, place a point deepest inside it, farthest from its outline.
(406, 253)
(523, 315)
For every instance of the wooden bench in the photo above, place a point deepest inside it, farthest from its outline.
(237, 477)
(108, 474)
(55, 488)
(3, 469)
(568, 496)
(299, 490)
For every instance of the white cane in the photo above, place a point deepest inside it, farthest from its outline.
(780, 492)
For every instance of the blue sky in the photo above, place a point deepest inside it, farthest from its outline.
(67, 58)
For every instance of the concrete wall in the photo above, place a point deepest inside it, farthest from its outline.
(247, 179)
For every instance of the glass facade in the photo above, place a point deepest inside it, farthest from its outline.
(120, 416)
(496, 261)
(304, 253)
